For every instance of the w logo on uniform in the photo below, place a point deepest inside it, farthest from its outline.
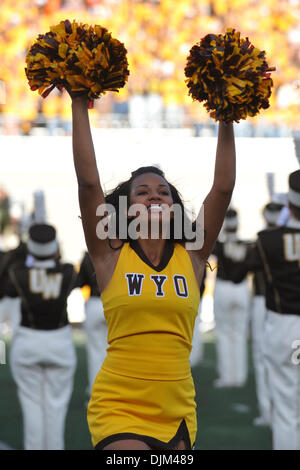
(135, 283)
(48, 285)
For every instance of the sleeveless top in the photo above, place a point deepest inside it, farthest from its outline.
(150, 314)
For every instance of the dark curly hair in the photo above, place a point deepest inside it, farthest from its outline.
(123, 189)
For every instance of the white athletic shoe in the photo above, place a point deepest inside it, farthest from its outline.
(260, 422)
(219, 383)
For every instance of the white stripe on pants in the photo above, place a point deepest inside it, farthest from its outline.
(43, 365)
(10, 312)
(258, 321)
(231, 310)
(197, 343)
(96, 337)
(284, 377)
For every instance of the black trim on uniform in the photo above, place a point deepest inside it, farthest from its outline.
(167, 255)
(269, 275)
(20, 291)
(155, 444)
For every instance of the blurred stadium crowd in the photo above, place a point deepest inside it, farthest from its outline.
(158, 35)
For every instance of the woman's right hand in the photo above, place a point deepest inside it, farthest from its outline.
(77, 95)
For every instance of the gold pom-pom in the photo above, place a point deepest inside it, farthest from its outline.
(77, 56)
(230, 75)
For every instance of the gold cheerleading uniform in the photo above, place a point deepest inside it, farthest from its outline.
(145, 389)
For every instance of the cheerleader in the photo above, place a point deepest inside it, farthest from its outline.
(143, 396)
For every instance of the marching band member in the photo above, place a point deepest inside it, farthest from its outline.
(271, 213)
(231, 306)
(277, 252)
(42, 354)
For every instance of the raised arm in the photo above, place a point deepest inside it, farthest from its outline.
(218, 199)
(89, 188)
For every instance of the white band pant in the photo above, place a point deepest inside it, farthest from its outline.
(43, 365)
(231, 310)
(258, 320)
(96, 337)
(283, 365)
(197, 343)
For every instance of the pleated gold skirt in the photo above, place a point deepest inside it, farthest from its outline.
(159, 413)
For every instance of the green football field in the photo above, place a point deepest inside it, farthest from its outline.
(224, 415)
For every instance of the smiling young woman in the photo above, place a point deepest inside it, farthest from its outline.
(143, 396)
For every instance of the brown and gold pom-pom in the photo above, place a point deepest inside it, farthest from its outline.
(77, 56)
(230, 75)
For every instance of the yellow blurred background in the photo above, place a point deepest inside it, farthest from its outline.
(158, 35)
